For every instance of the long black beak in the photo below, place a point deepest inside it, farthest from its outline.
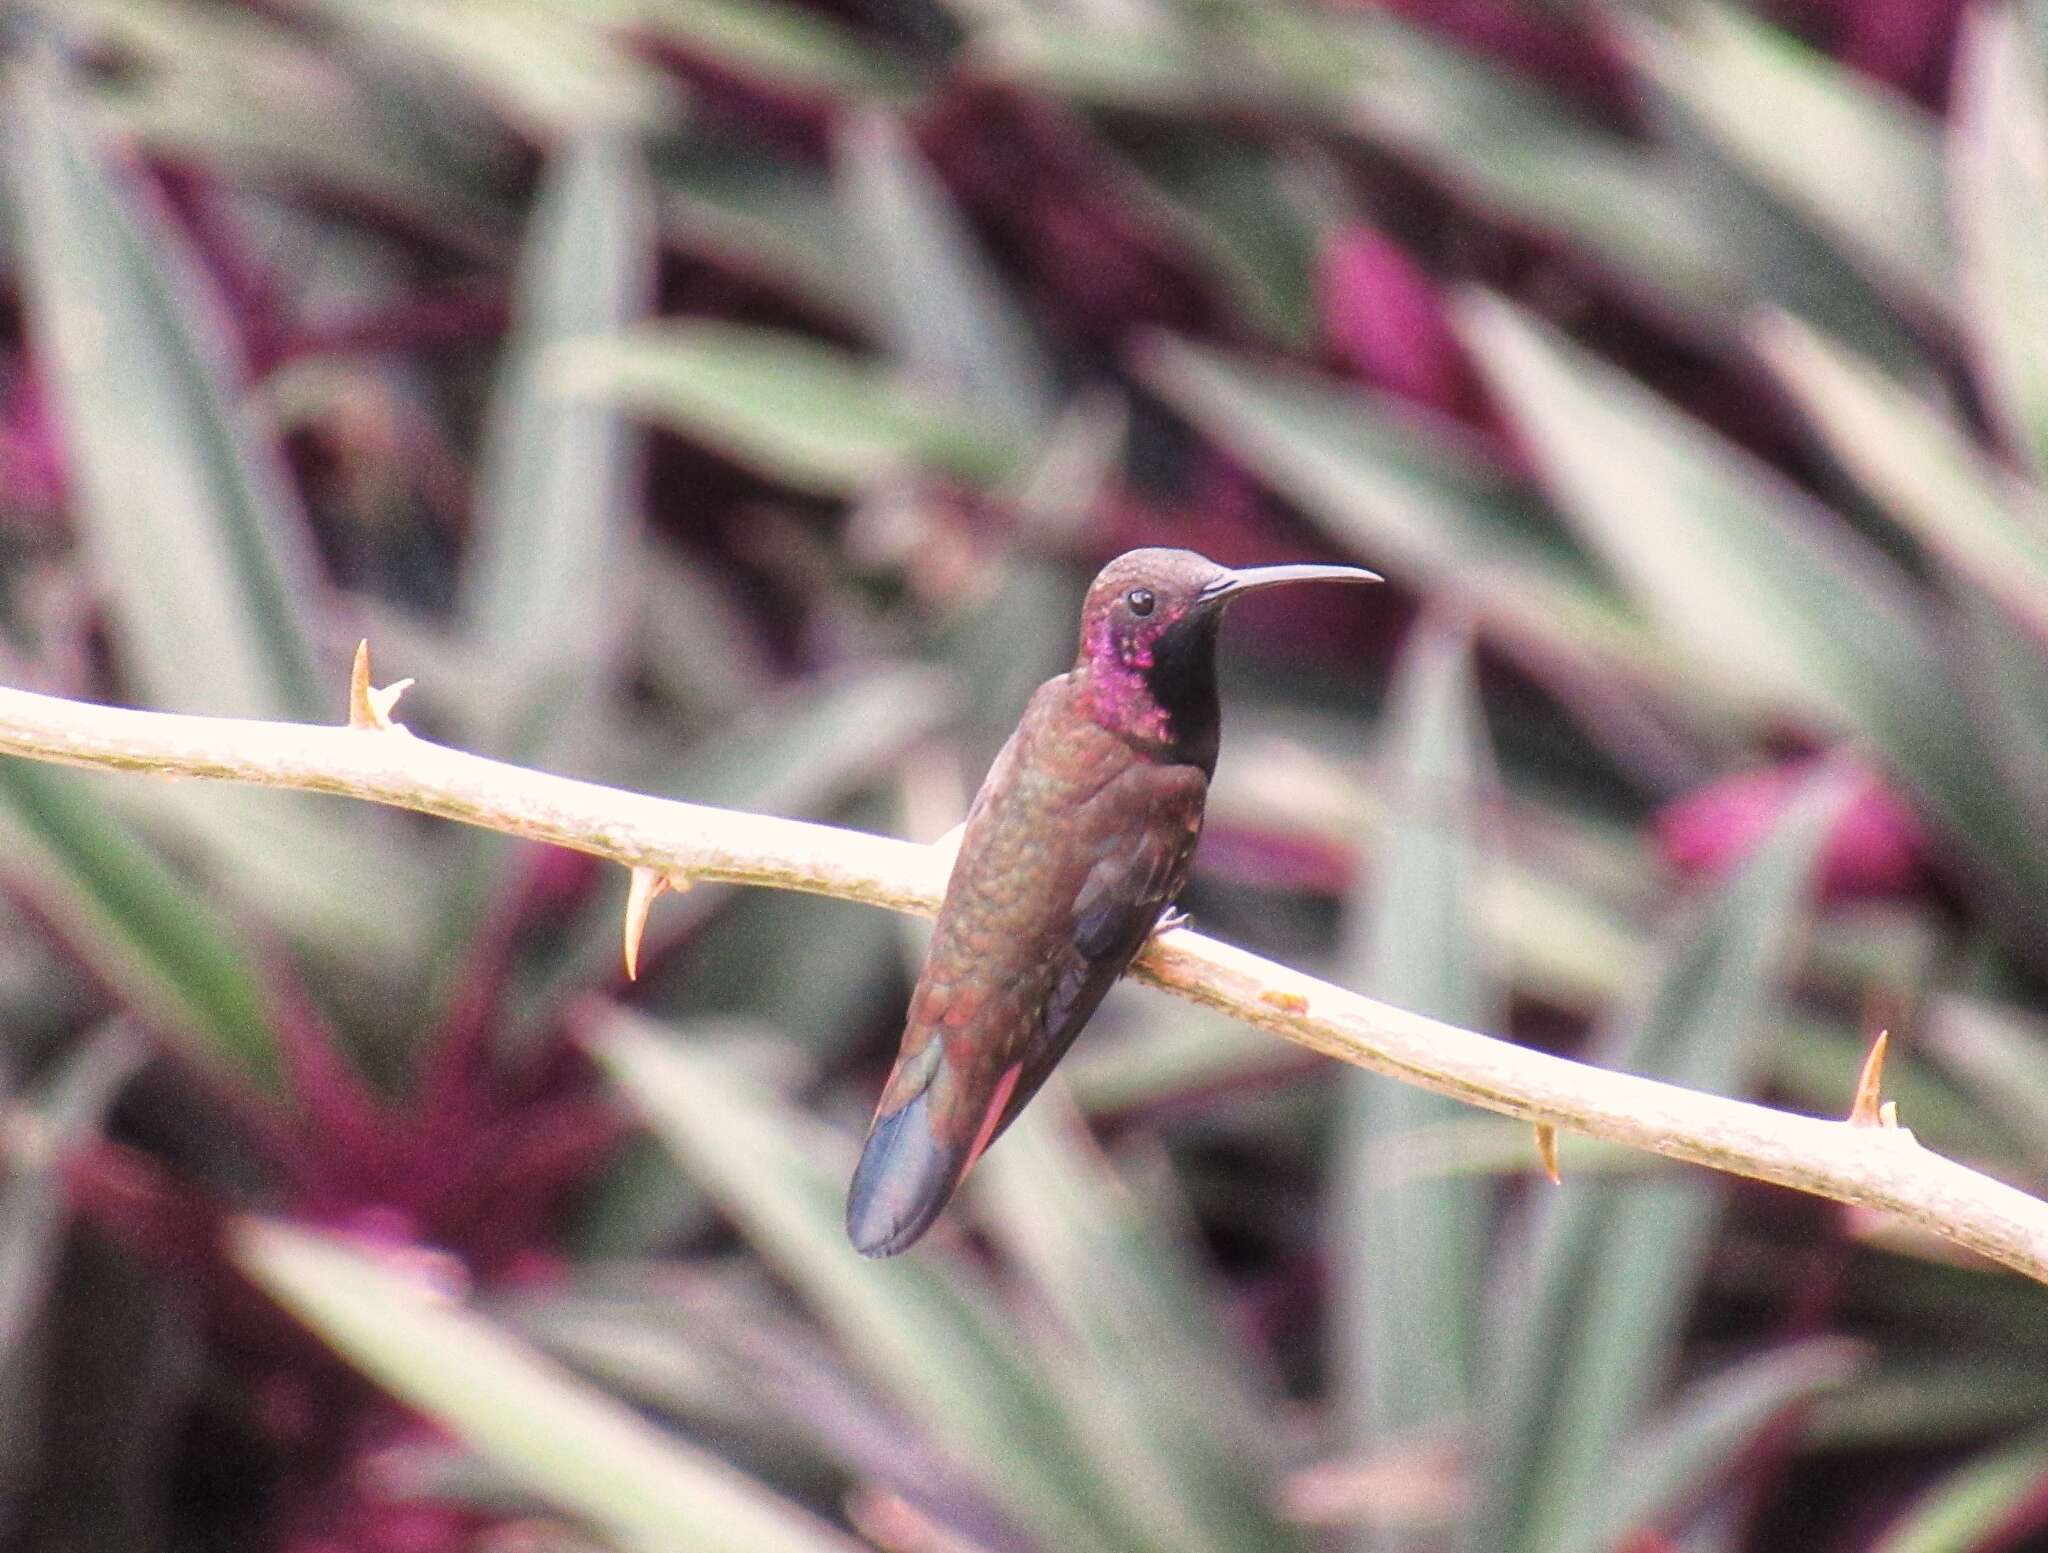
(1231, 584)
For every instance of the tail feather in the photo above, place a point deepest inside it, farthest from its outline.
(904, 1180)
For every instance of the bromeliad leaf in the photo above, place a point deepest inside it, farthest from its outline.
(171, 958)
(191, 528)
(788, 45)
(241, 90)
(1970, 1507)
(1406, 1253)
(187, 518)
(799, 412)
(939, 305)
(573, 1446)
(32, 1212)
(1860, 161)
(556, 475)
(2001, 211)
(1920, 464)
(927, 1328)
(1139, 1336)
(1712, 1424)
(1757, 583)
(1765, 590)
(549, 73)
(1572, 1368)
(1420, 493)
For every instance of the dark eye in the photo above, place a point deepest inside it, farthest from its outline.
(1139, 600)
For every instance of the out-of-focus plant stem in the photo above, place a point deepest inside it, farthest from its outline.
(1876, 1167)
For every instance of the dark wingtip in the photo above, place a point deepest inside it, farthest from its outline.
(904, 1179)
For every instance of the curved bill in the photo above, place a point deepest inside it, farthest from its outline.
(1231, 584)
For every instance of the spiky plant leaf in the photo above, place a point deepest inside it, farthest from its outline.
(1408, 1251)
(1574, 1361)
(573, 1445)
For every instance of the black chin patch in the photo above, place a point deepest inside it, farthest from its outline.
(1182, 680)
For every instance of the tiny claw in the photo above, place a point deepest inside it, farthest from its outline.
(1546, 1150)
(1169, 919)
(1866, 1110)
(369, 706)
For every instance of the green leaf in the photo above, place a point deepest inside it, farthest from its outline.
(793, 962)
(765, 40)
(718, 1349)
(800, 753)
(32, 1212)
(1915, 459)
(796, 752)
(1999, 1055)
(144, 929)
(187, 518)
(1660, 219)
(924, 1325)
(700, 650)
(1242, 209)
(1939, 1398)
(557, 512)
(1114, 1266)
(190, 527)
(1495, 138)
(556, 496)
(762, 216)
(250, 94)
(1998, 662)
(1573, 1368)
(1967, 1508)
(1764, 590)
(574, 1446)
(797, 411)
(1411, 494)
(2001, 213)
(1707, 1431)
(1406, 1252)
(1861, 161)
(1813, 1065)
(549, 71)
(951, 325)
(1752, 580)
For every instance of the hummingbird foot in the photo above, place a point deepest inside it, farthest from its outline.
(1169, 919)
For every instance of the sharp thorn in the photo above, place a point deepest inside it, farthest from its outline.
(1546, 1150)
(368, 706)
(645, 884)
(1866, 1110)
(383, 700)
(360, 712)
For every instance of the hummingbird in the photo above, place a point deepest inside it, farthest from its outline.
(1076, 844)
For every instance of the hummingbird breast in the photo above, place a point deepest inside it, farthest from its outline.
(1076, 843)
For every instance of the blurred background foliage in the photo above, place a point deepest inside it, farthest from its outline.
(729, 399)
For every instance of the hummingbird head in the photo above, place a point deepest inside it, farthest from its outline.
(1147, 657)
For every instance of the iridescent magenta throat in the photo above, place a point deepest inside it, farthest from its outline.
(1118, 696)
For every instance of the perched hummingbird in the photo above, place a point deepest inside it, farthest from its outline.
(1076, 844)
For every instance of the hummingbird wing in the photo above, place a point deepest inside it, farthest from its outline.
(1073, 848)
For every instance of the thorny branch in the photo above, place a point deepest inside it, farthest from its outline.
(1876, 1166)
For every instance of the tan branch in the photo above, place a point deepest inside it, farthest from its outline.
(1872, 1166)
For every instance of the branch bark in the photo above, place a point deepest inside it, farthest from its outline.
(1873, 1167)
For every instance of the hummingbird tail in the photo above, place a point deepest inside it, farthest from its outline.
(905, 1178)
